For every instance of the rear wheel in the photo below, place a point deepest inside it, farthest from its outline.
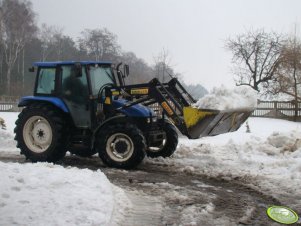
(168, 145)
(121, 145)
(41, 133)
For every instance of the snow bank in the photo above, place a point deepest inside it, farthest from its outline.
(47, 194)
(223, 99)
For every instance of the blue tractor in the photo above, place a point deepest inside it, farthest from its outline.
(86, 108)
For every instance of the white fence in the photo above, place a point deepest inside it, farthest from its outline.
(269, 109)
(279, 109)
(9, 107)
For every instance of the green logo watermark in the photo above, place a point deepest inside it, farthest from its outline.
(282, 214)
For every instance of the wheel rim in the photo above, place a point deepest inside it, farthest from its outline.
(37, 134)
(120, 147)
(158, 148)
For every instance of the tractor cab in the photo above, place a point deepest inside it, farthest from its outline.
(76, 85)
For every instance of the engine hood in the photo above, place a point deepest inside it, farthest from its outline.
(136, 110)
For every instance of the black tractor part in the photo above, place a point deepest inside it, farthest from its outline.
(167, 146)
(82, 152)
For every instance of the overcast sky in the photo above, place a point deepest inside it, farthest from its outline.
(193, 31)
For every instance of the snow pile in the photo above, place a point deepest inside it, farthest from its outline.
(224, 99)
(285, 142)
(47, 194)
(7, 141)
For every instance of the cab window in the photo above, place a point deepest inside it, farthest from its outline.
(46, 81)
(100, 77)
(74, 88)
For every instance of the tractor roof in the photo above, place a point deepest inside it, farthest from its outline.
(55, 63)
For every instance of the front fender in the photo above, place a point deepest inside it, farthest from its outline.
(115, 119)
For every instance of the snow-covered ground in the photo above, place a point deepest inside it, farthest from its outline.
(47, 194)
(268, 159)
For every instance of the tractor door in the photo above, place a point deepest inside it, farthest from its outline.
(75, 93)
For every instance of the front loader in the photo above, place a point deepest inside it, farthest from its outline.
(177, 106)
(86, 108)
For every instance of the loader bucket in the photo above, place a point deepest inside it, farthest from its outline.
(207, 122)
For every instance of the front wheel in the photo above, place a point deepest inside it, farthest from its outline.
(121, 145)
(41, 133)
(168, 145)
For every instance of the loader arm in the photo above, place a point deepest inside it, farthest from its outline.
(177, 104)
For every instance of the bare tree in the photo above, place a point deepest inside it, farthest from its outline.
(256, 56)
(49, 36)
(55, 45)
(100, 43)
(68, 49)
(17, 28)
(1, 49)
(163, 68)
(288, 77)
(58, 46)
(140, 72)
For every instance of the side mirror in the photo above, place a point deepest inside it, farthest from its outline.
(78, 70)
(31, 69)
(126, 70)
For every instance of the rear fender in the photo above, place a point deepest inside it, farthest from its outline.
(57, 102)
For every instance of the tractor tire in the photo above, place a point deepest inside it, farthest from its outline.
(168, 146)
(41, 133)
(121, 146)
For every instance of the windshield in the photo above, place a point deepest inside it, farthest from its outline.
(100, 76)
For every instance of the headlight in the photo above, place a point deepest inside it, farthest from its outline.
(153, 119)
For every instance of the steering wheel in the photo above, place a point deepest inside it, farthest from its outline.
(102, 88)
